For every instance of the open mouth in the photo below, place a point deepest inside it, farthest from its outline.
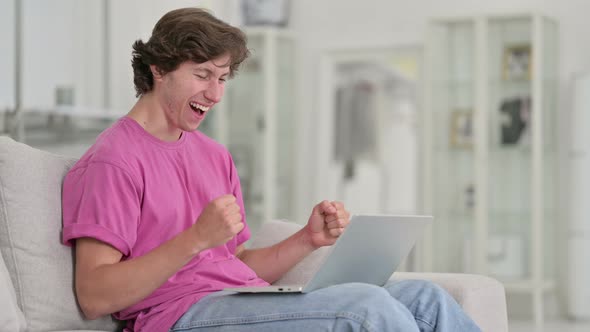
(198, 108)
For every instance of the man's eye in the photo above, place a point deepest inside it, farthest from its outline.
(203, 77)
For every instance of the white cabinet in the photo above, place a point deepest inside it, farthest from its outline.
(490, 149)
(256, 121)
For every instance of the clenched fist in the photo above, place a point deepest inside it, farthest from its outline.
(219, 222)
(327, 222)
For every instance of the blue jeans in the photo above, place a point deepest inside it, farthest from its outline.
(409, 305)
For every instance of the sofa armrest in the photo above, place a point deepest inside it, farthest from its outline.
(481, 297)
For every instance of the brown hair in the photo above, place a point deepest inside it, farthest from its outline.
(186, 34)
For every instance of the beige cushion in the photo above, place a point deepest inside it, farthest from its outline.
(481, 297)
(11, 318)
(40, 267)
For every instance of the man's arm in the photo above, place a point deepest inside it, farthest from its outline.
(326, 223)
(271, 263)
(105, 284)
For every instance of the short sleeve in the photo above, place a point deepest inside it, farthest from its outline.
(102, 201)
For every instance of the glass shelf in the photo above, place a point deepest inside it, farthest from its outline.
(492, 195)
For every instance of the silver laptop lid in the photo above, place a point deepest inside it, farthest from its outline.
(370, 250)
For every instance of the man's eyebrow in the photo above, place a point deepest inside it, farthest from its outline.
(208, 71)
(202, 69)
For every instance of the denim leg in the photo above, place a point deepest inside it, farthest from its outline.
(432, 307)
(347, 307)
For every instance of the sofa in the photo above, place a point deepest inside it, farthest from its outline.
(36, 270)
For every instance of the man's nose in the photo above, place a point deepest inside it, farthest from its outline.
(214, 92)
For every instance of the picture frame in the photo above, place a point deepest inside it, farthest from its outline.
(461, 129)
(517, 62)
(266, 12)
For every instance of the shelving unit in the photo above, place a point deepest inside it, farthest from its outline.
(490, 150)
(256, 121)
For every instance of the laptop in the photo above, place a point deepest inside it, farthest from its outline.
(369, 251)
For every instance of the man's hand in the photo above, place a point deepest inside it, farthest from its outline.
(219, 222)
(327, 222)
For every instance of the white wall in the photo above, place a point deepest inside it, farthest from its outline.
(329, 24)
(68, 50)
(63, 45)
(7, 56)
(48, 51)
(88, 39)
(132, 20)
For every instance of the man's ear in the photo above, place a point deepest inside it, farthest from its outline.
(156, 73)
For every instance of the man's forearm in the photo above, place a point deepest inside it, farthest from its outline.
(273, 262)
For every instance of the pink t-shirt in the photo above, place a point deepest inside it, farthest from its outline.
(135, 192)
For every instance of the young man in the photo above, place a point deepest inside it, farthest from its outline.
(155, 212)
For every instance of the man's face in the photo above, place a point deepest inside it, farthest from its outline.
(188, 93)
